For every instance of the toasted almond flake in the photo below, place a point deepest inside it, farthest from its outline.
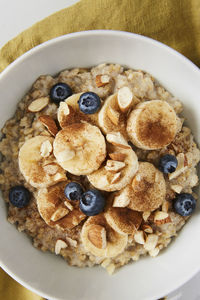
(124, 98)
(111, 269)
(113, 115)
(147, 228)
(146, 215)
(38, 104)
(65, 155)
(151, 242)
(73, 243)
(117, 139)
(115, 177)
(176, 188)
(49, 123)
(165, 206)
(60, 244)
(180, 168)
(163, 221)
(97, 236)
(59, 214)
(114, 165)
(46, 148)
(117, 156)
(160, 215)
(102, 80)
(139, 237)
(51, 168)
(154, 252)
(68, 205)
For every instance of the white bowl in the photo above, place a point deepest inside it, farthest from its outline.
(50, 276)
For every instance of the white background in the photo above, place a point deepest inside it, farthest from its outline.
(16, 16)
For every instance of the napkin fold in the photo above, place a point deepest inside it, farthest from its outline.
(173, 22)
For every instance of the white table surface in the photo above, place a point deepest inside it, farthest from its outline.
(16, 16)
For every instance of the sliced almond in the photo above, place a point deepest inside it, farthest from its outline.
(147, 228)
(49, 123)
(73, 243)
(180, 168)
(117, 156)
(59, 214)
(176, 188)
(139, 237)
(146, 215)
(65, 155)
(124, 98)
(51, 168)
(97, 236)
(154, 252)
(68, 205)
(38, 104)
(113, 115)
(59, 177)
(114, 165)
(46, 148)
(102, 80)
(60, 244)
(151, 242)
(115, 177)
(165, 206)
(117, 139)
(161, 217)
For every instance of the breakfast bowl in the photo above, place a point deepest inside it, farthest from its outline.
(148, 278)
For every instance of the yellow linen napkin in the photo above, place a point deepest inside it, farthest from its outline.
(173, 22)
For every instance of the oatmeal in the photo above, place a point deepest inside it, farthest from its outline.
(98, 167)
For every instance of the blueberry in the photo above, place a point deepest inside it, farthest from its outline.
(59, 92)
(184, 204)
(168, 163)
(73, 191)
(19, 196)
(89, 103)
(92, 202)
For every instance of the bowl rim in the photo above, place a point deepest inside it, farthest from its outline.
(99, 32)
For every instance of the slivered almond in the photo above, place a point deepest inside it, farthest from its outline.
(60, 244)
(49, 123)
(113, 115)
(102, 80)
(46, 148)
(38, 104)
(147, 228)
(180, 168)
(114, 165)
(117, 156)
(124, 98)
(176, 188)
(151, 242)
(68, 205)
(59, 214)
(139, 237)
(146, 215)
(51, 168)
(97, 236)
(117, 139)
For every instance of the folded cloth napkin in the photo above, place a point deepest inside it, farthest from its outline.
(175, 23)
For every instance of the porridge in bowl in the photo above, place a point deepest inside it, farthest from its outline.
(98, 166)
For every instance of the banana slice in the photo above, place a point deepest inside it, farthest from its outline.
(100, 239)
(123, 220)
(111, 118)
(80, 148)
(105, 177)
(147, 191)
(69, 112)
(152, 125)
(34, 157)
(56, 210)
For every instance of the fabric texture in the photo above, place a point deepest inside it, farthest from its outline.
(173, 22)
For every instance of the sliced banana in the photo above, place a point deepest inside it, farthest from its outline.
(152, 125)
(53, 207)
(123, 220)
(100, 239)
(110, 117)
(104, 178)
(146, 192)
(33, 159)
(69, 112)
(80, 148)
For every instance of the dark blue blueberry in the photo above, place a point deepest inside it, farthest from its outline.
(92, 202)
(19, 196)
(73, 191)
(89, 103)
(184, 204)
(168, 163)
(59, 92)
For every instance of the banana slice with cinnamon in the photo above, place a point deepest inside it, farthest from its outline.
(152, 125)
(56, 210)
(100, 239)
